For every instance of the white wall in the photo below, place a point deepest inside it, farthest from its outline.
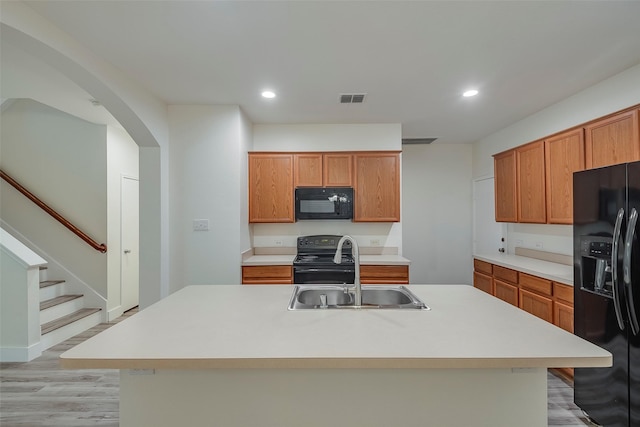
(122, 160)
(245, 145)
(616, 93)
(140, 113)
(207, 149)
(436, 212)
(327, 137)
(40, 149)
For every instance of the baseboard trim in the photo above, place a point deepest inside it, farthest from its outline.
(114, 313)
(20, 354)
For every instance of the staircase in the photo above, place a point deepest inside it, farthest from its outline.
(62, 314)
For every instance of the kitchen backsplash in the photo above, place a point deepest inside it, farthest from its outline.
(373, 235)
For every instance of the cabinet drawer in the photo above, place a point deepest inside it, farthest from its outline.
(563, 292)
(506, 292)
(536, 284)
(267, 274)
(537, 305)
(482, 267)
(505, 274)
(483, 282)
(378, 274)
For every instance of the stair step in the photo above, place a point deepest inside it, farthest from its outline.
(47, 283)
(66, 320)
(57, 301)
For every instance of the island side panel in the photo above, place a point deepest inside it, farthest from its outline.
(336, 397)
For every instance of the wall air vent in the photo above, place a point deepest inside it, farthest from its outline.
(418, 140)
(352, 98)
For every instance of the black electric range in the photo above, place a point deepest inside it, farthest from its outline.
(314, 261)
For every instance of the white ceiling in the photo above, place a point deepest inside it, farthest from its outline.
(413, 59)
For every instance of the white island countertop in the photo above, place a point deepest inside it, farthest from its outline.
(233, 326)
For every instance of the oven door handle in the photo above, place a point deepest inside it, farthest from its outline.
(322, 270)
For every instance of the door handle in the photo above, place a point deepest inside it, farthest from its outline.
(626, 270)
(127, 251)
(614, 267)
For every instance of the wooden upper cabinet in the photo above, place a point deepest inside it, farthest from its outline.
(338, 170)
(612, 140)
(377, 187)
(308, 169)
(323, 169)
(271, 187)
(564, 155)
(505, 186)
(531, 183)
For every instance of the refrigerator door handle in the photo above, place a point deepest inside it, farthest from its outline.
(617, 229)
(626, 270)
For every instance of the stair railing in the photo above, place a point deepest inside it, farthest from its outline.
(75, 230)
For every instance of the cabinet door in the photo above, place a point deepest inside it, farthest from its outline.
(271, 188)
(564, 155)
(505, 186)
(537, 305)
(483, 282)
(338, 170)
(612, 140)
(506, 292)
(308, 169)
(377, 187)
(563, 316)
(531, 185)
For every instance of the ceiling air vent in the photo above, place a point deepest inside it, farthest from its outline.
(352, 98)
(418, 140)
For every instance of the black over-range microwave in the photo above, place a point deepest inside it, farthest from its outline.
(324, 203)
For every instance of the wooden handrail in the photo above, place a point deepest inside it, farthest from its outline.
(75, 230)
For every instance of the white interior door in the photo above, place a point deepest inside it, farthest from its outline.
(129, 215)
(487, 233)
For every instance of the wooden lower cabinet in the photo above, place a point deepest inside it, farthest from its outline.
(384, 274)
(550, 301)
(483, 282)
(505, 292)
(563, 318)
(537, 305)
(267, 275)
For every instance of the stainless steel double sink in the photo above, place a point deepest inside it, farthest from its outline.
(342, 297)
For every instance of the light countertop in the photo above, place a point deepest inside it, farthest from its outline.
(288, 260)
(556, 272)
(239, 327)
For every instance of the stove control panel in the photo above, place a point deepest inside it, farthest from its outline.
(327, 242)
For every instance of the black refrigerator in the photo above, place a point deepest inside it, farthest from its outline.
(606, 205)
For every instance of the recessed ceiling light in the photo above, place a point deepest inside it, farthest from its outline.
(268, 94)
(469, 93)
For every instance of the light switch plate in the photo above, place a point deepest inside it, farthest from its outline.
(200, 225)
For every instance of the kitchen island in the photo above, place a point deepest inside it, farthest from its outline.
(235, 356)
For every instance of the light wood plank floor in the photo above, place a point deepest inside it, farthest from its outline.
(39, 393)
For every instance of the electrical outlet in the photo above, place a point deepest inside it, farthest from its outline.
(278, 242)
(375, 242)
(200, 225)
(539, 245)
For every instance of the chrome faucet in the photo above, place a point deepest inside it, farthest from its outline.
(356, 258)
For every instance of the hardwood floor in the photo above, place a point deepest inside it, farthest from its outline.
(39, 393)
